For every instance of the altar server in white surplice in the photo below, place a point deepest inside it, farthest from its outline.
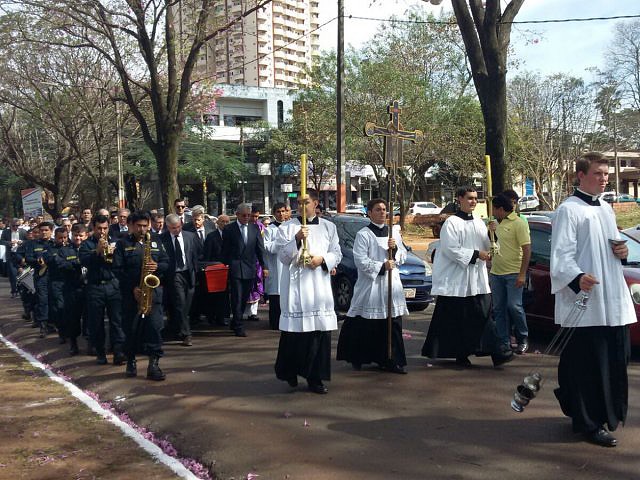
(306, 301)
(592, 373)
(365, 332)
(272, 282)
(461, 282)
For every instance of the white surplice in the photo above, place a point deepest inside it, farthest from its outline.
(580, 244)
(453, 275)
(371, 289)
(272, 282)
(306, 298)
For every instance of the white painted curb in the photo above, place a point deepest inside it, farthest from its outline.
(149, 447)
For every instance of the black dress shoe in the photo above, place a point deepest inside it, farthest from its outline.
(101, 359)
(153, 370)
(119, 358)
(240, 332)
(523, 346)
(73, 346)
(293, 382)
(401, 370)
(318, 387)
(253, 318)
(463, 362)
(503, 357)
(132, 368)
(602, 437)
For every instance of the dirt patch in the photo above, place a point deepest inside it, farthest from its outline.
(45, 433)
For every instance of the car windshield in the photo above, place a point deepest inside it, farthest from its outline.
(634, 249)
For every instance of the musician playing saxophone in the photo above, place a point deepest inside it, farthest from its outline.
(143, 332)
(35, 257)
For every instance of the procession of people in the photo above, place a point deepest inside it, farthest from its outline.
(144, 272)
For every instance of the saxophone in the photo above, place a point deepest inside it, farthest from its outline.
(148, 281)
(107, 252)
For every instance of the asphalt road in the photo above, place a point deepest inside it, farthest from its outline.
(222, 404)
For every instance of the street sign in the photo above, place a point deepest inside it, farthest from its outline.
(292, 195)
(286, 187)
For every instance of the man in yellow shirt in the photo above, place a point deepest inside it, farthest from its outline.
(509, 272)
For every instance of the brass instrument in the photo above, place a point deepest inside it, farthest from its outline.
(305, 257)
(107, 251)
(43, 267)
(148, 281)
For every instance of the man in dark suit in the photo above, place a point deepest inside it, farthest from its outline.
(242, 246)
(12, 238)
(180, 208)
(201, 229)
(121, 229)
(183, 250)
(198, 225)
(218, 303)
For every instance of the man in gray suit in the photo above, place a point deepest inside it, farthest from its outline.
(242, 246)
(183, 249)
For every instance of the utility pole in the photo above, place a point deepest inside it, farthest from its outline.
(341, 189)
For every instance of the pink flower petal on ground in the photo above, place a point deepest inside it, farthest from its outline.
(251, 476)
(306, 424)
(407, 336)
(287, 414)
(429, 365)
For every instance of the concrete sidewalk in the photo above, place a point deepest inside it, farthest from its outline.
(222, 405)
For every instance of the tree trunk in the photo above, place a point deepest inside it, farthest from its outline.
(493, 99)
(167, 161)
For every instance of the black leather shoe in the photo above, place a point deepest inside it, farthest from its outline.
(319, 388)
(240, 332)
(602, 437)
(463, 362)
(101, 359)
(153, 370)
(132, 368)
(503, 357)
(401, 370)
(293, 382)
(119, 358)
(73, 346)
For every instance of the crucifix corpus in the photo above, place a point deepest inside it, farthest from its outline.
(394, 137)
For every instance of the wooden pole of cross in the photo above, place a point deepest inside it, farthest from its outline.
(394, 137)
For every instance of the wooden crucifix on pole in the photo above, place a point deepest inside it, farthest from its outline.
(394, 137)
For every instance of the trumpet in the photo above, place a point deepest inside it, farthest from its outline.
(107, 251)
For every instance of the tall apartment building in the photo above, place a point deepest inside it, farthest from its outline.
(269, 48)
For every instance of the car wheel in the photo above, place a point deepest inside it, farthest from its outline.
(343, 293)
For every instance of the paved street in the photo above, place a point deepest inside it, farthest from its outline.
(222, 404)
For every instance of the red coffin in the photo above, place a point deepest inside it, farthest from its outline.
(216, 276)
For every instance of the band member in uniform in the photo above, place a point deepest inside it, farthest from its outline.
(272, 282)
(103, 292)
(306, 299)
(57, 280)
(134, 255)
(27, 297)
(365, 332)
(35, 257)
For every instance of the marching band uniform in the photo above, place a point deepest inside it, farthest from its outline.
(36, 251)
(364, 334)
(103, 293)
(306, 301)
(64, 263)
(27, 297)
(143, 334)
(56, 289)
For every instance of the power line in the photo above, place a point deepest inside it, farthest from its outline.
(521, 22)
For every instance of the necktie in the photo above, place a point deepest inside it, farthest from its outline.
(244, 233)
(201, 233)
(179, 259)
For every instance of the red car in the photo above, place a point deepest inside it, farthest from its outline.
(538, 301)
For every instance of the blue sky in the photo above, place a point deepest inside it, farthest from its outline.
(559, 47)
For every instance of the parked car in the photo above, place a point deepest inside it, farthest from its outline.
(415, 274)
(528, 202)
(611, 197)
(424, 208)
(356, 209)
(538, 301)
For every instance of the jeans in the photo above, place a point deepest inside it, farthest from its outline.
(507, 307)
